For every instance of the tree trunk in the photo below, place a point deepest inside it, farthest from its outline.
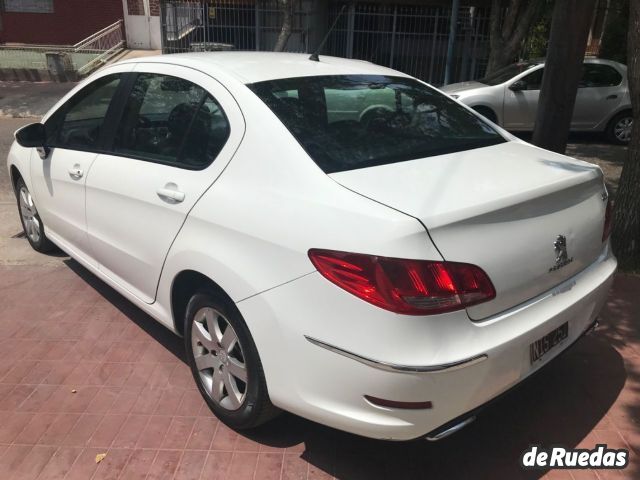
(287, 21)
(626, 229)
(563, 67)
(506, 34)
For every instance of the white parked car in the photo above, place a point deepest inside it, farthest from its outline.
(509, 97)
(383, 273)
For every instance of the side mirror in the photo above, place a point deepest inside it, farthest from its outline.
(518, 86)
(34, 135)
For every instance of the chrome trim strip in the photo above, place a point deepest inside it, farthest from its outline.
(451, 430)
(392, 367)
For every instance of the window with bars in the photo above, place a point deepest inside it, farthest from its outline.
(28, 6)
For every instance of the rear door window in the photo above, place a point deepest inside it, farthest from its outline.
(594, 75)
(171, 120)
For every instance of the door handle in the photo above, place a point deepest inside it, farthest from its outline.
(173, 196)
(76, 173)
(612, 97)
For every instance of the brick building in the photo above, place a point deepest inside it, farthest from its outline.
(55, 22)
(66, 22)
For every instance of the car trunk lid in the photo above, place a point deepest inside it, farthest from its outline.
(529, 218)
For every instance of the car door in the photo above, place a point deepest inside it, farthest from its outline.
(521, 101)
(74, 135)
(599, 94)
(178, 130)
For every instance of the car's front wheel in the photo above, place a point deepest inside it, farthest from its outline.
(31, 221)
(225, 362)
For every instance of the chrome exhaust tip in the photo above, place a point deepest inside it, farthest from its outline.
(592, 328)
(444, 432)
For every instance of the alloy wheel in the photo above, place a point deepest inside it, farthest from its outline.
(622, 129)
(29, 215)
(219, 358)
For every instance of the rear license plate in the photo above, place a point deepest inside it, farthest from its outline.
(540, 347)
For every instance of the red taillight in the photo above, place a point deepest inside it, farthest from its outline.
(411, 287)
(608, 221)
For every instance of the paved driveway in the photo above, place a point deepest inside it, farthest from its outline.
(83, 372)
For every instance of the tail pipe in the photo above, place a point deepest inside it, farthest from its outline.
(592, 328)
(449, 429)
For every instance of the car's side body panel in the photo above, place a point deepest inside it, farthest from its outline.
(130, 226)
(57, 182)
(61, 194)
(287, 200)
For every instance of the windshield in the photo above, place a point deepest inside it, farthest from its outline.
(347, 122)
(506, 73)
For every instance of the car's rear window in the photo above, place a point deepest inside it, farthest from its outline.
(346, 122)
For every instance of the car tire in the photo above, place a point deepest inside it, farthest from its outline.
(32, 224)
(619, 128)
(215, 361)
(487, 113)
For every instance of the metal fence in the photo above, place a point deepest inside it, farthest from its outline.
(81, 58)
(413, 39)
(409, 38)
(102, 44)
(204, 26)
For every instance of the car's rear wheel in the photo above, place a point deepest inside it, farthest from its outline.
(31, 222)
(619, 129)
(225, 362)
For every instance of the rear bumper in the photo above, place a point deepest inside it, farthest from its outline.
(465, 419)
(455, 364)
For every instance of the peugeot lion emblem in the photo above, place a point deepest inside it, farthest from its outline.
(562, 257)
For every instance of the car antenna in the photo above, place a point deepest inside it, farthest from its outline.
(314, 55)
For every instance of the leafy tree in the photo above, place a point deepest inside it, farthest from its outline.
(535, 46)
(614, 39)
(626, 232)
(509, 24)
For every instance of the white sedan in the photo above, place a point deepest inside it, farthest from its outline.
(509, 97)
(332, 238)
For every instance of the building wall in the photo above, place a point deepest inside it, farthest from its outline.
(70, 22)
(154, 7)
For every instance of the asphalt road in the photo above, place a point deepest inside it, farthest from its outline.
(30, 99)
(14, 249)
(7, 127)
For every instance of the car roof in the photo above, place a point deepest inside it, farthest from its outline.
(602, 61)
(251, 67)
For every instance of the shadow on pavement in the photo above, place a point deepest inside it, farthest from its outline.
(166, 338)
(564, 404)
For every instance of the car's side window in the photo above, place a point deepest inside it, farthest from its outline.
(78, 123)
(171, 120)
(594, 75)
(533, 81)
